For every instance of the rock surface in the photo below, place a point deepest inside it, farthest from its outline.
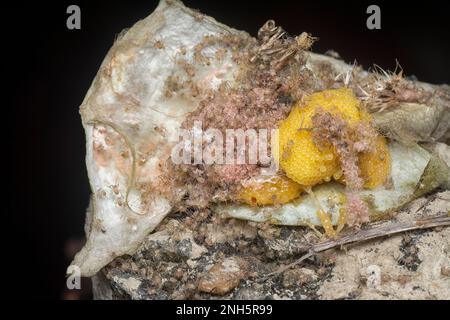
(199, 262)
(223, 277)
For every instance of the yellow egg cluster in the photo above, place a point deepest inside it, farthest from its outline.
(375, 166)
(299, 157)
(276, 190)
(306, 165)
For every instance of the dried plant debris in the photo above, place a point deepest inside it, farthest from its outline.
(413, 122)
(219, 228)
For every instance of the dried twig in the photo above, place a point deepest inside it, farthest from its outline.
(276, 47)
(374, 230)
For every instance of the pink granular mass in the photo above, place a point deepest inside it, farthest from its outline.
(357, 210)
(256, 105)
(234, 174)
(348, 142)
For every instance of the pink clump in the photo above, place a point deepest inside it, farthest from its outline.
(348, 143)
(365, 136)
(350, 169)
(357, 210)
(333, 129)
(233, 174)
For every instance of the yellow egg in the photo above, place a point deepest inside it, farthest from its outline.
(277, 190)
(375, 166)
(299, 157)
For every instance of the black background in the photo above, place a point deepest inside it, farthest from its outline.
(50, 68)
